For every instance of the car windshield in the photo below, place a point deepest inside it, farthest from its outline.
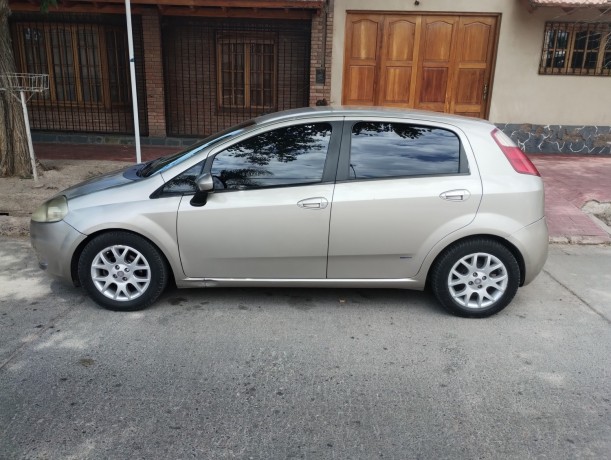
(162, 163)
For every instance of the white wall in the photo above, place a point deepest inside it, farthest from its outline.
(519, 93)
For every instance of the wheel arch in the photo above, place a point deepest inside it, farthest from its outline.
(79, 250)
(507, 244)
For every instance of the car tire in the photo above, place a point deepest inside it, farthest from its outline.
(475, 278)
(122, 271)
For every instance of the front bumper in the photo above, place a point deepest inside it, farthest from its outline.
(54, 244)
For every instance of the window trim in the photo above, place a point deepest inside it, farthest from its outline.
(343, 170)
(244, 39)
(572, 28)
(331, 162)
(47, 28)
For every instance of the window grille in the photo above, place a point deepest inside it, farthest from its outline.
(87, 61)
(246, 68)
(576, 48)
(221, 72)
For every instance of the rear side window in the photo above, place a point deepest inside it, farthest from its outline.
(380, 150)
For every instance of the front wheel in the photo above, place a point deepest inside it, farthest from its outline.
(122, 271)
(475, 278)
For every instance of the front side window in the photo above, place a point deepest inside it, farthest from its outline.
(573, 48)
(293, 155)
(382, 150)
(246, 71)
(86, 63)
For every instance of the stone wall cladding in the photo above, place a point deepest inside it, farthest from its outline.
(563, 139)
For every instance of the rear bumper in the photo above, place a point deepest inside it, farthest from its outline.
(533, 242)
(54, 244)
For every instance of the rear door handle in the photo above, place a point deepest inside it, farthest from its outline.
(455, 195)
(313, 203)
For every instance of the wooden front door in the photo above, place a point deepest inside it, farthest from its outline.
(432, 62)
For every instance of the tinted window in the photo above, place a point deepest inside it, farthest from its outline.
(285, 156)
(397, 149)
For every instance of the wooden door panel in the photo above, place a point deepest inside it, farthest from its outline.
(362, 81)
(433, 62)
(433, 87)
(473, 65)
(400, 39)
(397, 86)
(363, 38)
(438, 39)
(398, 62)
(361, 53)
(476, 40)
(469, 86)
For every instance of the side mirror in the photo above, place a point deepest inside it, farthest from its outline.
(205, 185)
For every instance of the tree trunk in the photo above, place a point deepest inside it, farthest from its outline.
(14, 154)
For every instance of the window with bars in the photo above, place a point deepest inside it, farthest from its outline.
(575, 48)
(246, 67)
(86, 63)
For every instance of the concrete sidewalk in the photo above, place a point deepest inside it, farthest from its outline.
(570, 183)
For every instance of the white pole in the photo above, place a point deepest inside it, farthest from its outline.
(24, 107)
(132, 71)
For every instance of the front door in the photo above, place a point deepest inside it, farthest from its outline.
(431, 62)
(269, 214)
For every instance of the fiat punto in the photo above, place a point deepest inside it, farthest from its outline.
(317, 197)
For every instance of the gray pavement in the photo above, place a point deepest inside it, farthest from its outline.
(280, 373)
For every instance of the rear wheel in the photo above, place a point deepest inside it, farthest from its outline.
(475, 278)
(122, 271)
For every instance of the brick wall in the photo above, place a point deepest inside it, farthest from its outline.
(153, 73)
(321, 56)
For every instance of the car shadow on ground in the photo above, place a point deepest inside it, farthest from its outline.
(300, 299)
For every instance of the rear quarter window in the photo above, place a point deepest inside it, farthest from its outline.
(383, 150)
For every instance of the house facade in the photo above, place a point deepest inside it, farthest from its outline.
(201, 65)
(540, 69)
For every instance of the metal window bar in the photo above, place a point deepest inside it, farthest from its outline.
(221, 72)
(576, 48)
(86, 59)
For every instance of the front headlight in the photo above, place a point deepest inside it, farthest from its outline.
(53, 210)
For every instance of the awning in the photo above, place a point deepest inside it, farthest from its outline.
(570, 3)
(296, 9)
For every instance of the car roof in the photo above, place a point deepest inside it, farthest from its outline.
(382, 112)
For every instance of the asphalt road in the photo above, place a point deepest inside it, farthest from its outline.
(296, 373)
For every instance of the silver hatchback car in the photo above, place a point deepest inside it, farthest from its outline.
(331, 197)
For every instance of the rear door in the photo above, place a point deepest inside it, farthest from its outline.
(401, 188)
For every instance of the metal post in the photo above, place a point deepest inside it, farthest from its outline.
(24, 107)
(132, 71)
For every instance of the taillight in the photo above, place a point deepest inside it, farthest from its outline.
(520, 162)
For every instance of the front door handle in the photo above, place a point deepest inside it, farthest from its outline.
(313, 203)
(455, 195)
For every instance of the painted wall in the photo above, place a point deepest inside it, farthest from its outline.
(519, 93)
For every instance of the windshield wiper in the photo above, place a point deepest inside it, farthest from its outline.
(147, 167)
